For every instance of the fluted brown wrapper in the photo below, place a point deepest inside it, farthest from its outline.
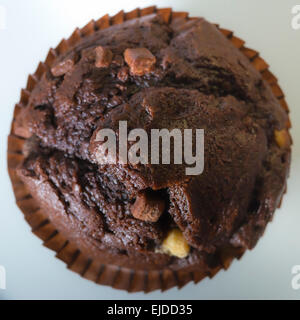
(82, 258)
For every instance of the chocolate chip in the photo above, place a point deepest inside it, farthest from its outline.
(123, 74)
(103, 57)
(140, 60)
(148, 206)
(62, 68)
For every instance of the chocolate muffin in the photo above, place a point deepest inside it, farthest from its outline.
(148, 226)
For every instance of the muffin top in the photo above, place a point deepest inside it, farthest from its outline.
(156, 75)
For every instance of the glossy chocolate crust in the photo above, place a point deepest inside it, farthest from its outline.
(197, 79)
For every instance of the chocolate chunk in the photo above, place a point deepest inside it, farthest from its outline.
(103, 57)
(140, 60)
(148, 206)
(62, 68)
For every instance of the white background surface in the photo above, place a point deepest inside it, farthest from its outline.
(32, 26)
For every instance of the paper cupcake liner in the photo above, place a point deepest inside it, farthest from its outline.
(80, 259)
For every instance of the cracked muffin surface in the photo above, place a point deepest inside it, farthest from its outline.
(155, 75)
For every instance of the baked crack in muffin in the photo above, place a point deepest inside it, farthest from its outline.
(150, 226)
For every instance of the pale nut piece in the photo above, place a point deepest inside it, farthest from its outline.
(103, 57)
(62, 67)
(175, 244)
(282, 138)
(139, 60)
